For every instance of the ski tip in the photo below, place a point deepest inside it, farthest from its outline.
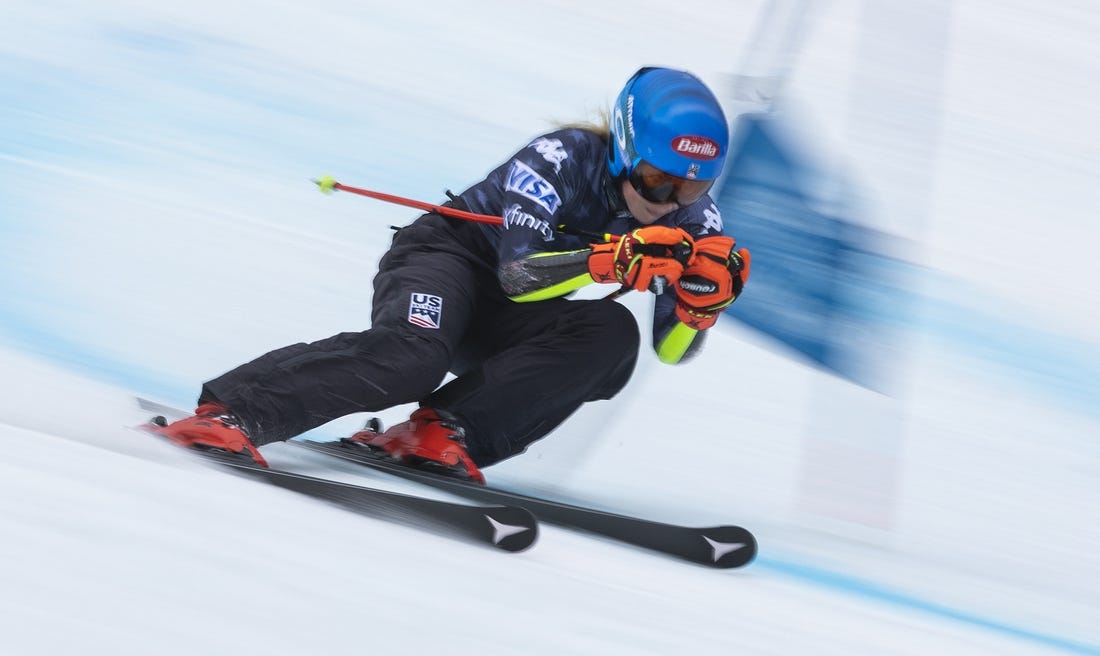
(326, 183)
(729, 546)
(511, 528)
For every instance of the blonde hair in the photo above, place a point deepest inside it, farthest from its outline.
(599, 126)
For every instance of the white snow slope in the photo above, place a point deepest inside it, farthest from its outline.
(158, 227)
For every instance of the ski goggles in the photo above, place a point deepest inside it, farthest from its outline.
(656, 186)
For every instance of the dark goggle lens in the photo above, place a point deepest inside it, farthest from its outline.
(656, 186)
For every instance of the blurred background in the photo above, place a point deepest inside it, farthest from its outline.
(902, 405)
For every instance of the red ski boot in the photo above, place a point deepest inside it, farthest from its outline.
(426, 440)
(212, 427)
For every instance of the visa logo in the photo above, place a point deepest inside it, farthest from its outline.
(523, 180)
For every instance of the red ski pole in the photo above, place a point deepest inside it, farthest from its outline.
(328, 184)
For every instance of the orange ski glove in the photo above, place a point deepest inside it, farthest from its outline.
(712, 282)
(649, 258)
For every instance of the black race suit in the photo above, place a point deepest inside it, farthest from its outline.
(484, 302)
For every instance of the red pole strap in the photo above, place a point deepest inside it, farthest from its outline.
(328, 184)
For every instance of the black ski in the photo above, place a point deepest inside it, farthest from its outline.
(510, 528)
(716, 546)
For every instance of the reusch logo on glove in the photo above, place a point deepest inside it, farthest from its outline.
(696, 147)
(698, 286)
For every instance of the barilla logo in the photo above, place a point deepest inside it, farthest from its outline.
(695, 147)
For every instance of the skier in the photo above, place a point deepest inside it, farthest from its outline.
(487, 302)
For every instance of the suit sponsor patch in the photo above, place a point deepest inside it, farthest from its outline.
(515, 217)
(425, 310)
(523, 180)
(551, 150)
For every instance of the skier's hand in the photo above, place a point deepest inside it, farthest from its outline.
(712, 282)
(650, 258)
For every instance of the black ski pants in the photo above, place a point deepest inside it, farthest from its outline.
(521, 368)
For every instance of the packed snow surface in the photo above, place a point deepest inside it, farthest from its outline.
(158, 227)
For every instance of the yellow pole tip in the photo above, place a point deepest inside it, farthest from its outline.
(327, 184)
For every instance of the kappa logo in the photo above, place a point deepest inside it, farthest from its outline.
(713, 218)
(425, 310)
(523, 180)
(551, 150)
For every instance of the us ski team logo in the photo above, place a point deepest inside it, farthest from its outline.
(425, 310)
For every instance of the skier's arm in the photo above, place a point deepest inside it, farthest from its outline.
(540, 276)
(633, 260)
(673, 341)
(711, 284)
(549, 275)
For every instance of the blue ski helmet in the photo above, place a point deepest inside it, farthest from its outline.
(667, 122)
